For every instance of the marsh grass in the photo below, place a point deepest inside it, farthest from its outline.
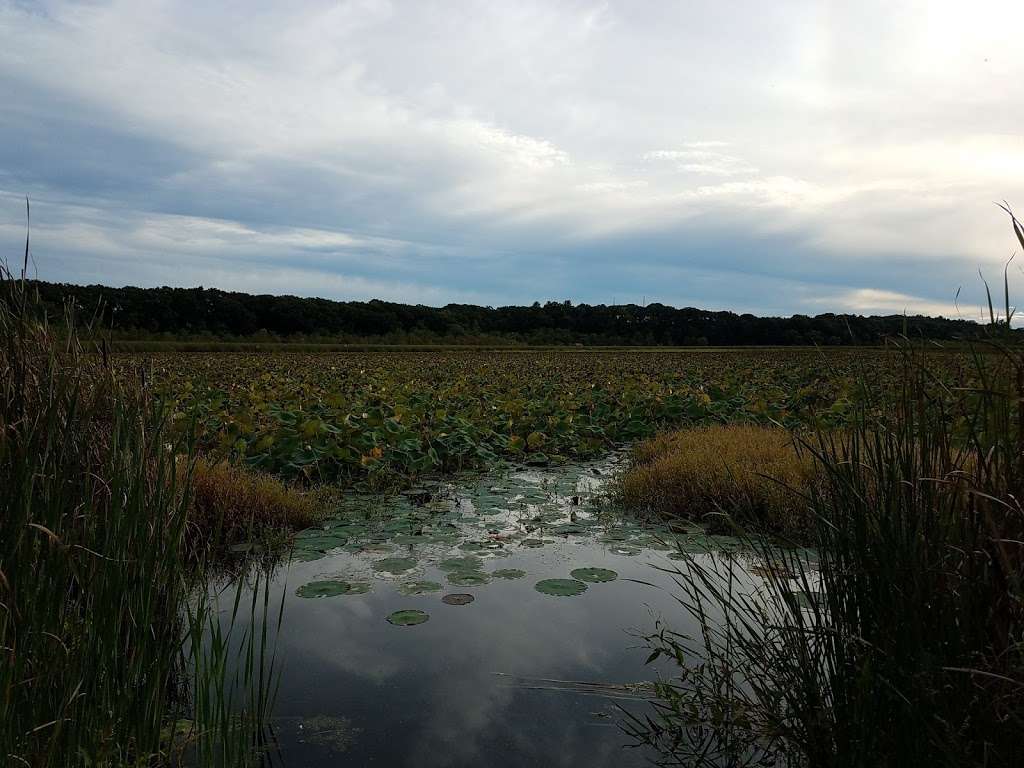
(722, 475)
(97, 585)
(233, 500)
(902, 641)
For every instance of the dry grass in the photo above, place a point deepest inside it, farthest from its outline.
(239, 499)
(747, 472)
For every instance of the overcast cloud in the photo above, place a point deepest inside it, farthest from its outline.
(766, 157)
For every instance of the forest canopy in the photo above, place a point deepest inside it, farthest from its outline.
(210, 313)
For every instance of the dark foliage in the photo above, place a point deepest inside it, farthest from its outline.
(147, 313)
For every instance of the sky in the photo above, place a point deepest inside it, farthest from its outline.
(773, 158)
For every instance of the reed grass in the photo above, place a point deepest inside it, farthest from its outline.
(97, 586)
(721, 475)
(901, 642)
(234, 500)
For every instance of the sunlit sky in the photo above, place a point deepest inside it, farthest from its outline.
(762, 157)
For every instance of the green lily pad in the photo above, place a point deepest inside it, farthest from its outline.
(316, 589)
(468, 578)
(419, 587)
(379, 548)
(457, 599)
(508, 573)
(560, 587)
(628, 550)
(594, 575)
(408, 618)
(394, 565)
(467, 563)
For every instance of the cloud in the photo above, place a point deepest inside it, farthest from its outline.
(444, 150)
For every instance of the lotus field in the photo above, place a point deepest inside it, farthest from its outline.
(376, 419)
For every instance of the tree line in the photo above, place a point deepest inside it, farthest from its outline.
(209, 313)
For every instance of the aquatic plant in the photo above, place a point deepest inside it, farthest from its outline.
(560, 587)
(240, 500)
(595, 575)
(383, 420)
(96, 601)
(408, 618)
(419, 587)
(317, 589)
(508, 573)
(457, 599)
(721, 475)
(902, 642)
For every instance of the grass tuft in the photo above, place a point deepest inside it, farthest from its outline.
(744, 472)
(239, 500)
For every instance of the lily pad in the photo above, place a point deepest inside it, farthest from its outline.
(316, 589)
(394, 565)
(508, 573)
(419, 587)
(467, 563)
(458, 598)
(468, 578)
(560, 587)
(408, 618)
(627, 550)
(594, 575)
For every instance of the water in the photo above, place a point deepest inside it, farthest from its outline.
(515, 677)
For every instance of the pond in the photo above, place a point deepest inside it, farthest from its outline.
(493, 621)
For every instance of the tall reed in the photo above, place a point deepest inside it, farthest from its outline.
(902, 641)
(95, 577)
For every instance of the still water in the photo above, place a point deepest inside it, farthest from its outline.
(384, 660)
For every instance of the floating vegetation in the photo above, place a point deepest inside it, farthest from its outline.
(508, 573)
(594, 575)
(467, 563)
(468, 578)
(333, 733)
(627, 550)
(317, 589)
(409, 617)
(560, 587)
(395, 565)
(419, 587)
(378, 548)
(458, 598)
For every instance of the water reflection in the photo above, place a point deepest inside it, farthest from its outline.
(470, 685)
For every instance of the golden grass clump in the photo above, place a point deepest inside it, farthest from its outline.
(747, 472)
(242, 499)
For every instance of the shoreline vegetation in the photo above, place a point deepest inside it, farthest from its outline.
(900, 641)
(112, 650)
(722, 476)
